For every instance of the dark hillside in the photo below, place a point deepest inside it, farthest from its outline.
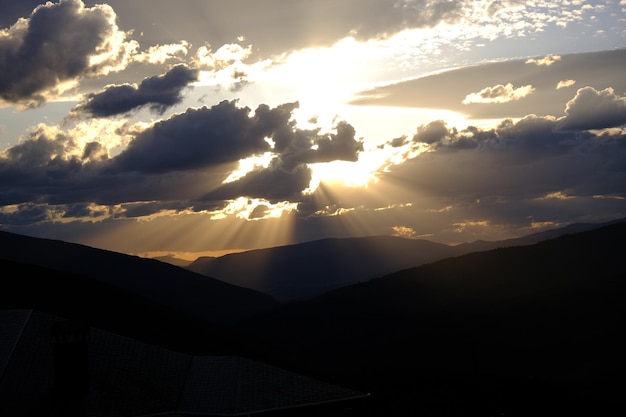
(312, 268)
(531, 330)
(97, 304)
(165, 284)
(305, 270)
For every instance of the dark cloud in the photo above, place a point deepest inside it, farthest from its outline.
(56, 44)
(477, 181)
(259, 211)
(94, 151)
(273, 184)
(39, 150)
(84, 210)
(309, 146)
(202, 137)
(395, 142)
(288, 173)
(592, 109)
(25, 214)
(340, 146)
(431, 133)
(38, 160)
(486, 184)
(226, 133)
(141, 209)
(524, 159)
(158, 93)
(177, 164)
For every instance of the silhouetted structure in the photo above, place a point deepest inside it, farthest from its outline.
(52, 366)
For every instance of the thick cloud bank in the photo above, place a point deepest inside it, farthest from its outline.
(176, 162)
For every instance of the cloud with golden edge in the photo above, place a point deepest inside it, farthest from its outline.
(545, 61)
(403, 231)
(159, 54)
(40, 60)
(565, 84)
(499, 94)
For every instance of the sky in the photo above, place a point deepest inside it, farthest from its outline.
(196, 128)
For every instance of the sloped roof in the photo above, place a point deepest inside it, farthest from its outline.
(245, 387)
(132, 378)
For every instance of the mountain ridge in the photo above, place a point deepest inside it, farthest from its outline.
(524, 330)
(205, 297)
(311, 268)
(281, 272)
(521, 330)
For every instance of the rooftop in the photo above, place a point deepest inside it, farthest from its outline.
(127, 377)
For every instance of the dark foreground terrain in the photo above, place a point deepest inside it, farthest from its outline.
(531, 330)
(526, 331)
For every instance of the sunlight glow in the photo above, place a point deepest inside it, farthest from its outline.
(188, 256)
(315, 77)
(254, 209)
(351, 174)
(249, 164)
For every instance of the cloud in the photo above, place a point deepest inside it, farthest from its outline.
(308, 24)
(565, 84)
(431, 133)
(272, 184)
(25, 214)
(403, 231)
(508, 168)
(384, 18)
(499, 94)
(485, 177)
(226, 56)
(447, 90)
(159, 54)
(545, 61)
(288, 174)
(158, 92)
(309, 146)
(57, 45)
(593, 109)
(202, 137)
(178, 163)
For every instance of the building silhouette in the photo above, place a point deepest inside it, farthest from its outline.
(50, 365)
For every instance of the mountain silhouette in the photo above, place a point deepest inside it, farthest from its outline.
(529, 329)
(95, 303)
(167, 285)
(173, 260)
(526, 330)
(307, 269)
(304, 270)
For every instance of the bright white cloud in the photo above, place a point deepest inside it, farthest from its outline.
(545, 61)
(565, 84)
(160, 54)
(499, 94)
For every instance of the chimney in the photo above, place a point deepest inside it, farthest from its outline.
(71, 359)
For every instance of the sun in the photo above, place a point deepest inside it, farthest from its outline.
(350, 174)
(358, 174)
